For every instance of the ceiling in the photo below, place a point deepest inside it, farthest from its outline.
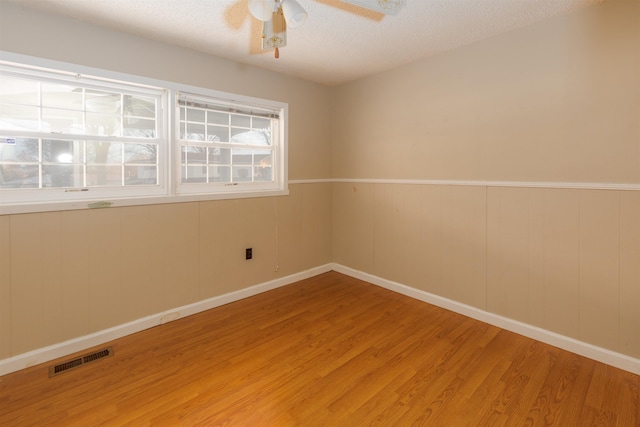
(338, 42)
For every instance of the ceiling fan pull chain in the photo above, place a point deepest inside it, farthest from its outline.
(276, 53)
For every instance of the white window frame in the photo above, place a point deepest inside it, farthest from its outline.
(245, 104)
(76, 193)
(169, 188)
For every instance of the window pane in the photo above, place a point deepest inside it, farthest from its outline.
(141, 153)
(194, 174)
(218, 133)
(103, 102)
(216, 118)
(139, 128)
(62, 176)
(22, 150)
(240, 136)
(262, 166)
(262, 158)
(242, 157)
(139, 106)
(66, 121)
(62, 96)
(220, 155)
(238, 120)
(191, 154)
(252, 137)
(103, 125)
(261, 137)
(54, 151)
(19, 176)
(195, 115)
(18, 91)
(195, 132)
(140, 175)
(261, 123)
(241, 173)
(263, 174)
(98, 175)
(19, 117)
(104, 152)
(219, 173)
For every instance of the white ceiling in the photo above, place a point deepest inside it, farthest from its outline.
(337, 43)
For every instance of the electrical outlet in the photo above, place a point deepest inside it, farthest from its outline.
(248, 253)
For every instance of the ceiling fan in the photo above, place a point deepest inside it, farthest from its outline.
(277, 15)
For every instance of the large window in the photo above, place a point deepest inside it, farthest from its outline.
(69, 135)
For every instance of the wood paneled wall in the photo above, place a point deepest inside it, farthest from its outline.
(68, 274)
(565, 260)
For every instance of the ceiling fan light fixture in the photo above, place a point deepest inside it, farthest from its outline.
(276, 16)
(294, 14)
(261, 9)
(274, 32)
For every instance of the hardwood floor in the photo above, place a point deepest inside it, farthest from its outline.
(327, 351)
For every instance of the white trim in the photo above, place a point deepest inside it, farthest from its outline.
(590, 351)
(55, 351)
(518, 184)
(311, 181)
(134, 201)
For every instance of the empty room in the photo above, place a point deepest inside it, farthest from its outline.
(320, 213)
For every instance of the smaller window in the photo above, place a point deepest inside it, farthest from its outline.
(228, 146)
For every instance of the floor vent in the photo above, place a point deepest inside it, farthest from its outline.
(82, 360)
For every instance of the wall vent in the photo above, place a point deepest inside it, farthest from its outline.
(79, 361)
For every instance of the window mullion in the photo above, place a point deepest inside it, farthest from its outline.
(83, 167)
(124, 165)
(40, 177)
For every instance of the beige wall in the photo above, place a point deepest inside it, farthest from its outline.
(557, 102)
(71, 273)
(67, 274)
(564, 260)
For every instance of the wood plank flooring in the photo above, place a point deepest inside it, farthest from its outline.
(327, 351)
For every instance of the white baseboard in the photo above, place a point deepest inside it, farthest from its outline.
(599, 354)
(55, 351)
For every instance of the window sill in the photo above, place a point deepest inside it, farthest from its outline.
(23, 208)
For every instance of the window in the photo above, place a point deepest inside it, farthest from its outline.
(70, 134)
(64, 134)
(227, 147)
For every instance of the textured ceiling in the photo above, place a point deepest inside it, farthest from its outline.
(337, 43)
